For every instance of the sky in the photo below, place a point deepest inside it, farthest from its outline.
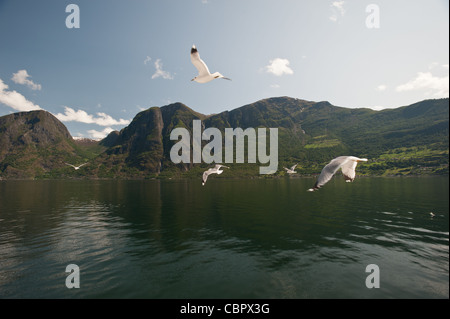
(98, 65)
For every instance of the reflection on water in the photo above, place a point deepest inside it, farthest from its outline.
(227, 239)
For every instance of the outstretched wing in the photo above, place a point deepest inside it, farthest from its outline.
(198, 63)
(217, 75)
(329, 170)
(348, 170)
(205, 176)
(70, 165)
(293, 167)
(218, 166)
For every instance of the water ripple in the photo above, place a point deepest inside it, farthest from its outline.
(157, 240)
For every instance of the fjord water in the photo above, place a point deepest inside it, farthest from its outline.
(261, 238)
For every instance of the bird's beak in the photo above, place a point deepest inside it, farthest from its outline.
(193, 79)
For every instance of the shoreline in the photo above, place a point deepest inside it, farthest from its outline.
(222, 177)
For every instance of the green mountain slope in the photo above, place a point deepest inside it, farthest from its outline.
(34, 144)
(407, 140)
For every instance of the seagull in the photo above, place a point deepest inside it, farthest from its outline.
(346, 163)
(204, 75)
(291, 170)
(76, 167)
(215, 170)
(432, 215)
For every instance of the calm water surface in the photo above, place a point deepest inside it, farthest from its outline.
(228, 239)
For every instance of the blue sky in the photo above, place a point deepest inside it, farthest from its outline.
(127, 56)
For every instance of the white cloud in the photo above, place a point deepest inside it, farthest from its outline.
(432, 65)
(338, 10)
(102, 119)
(445, 66)
(279, 67)
(381, 87)
(15, 100)
(98, 135)
(147, 60)
(160, 72)
(339, 5)
(437, 86)
(274, 86)
(21, 77)
(377, 108)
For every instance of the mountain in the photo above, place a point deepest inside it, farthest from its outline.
(36, 144)
(30, 142)
(407, 140)
(410, 139)
(143, 147)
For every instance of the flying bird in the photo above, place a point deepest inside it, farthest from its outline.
(346, 163)
(291, 170)
(76, 167)
(204, 75)
(215, 170)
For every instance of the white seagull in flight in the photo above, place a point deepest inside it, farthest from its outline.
(346, 163)
(215, 170)
(76, 167)
(204, 75)
(291, 170)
